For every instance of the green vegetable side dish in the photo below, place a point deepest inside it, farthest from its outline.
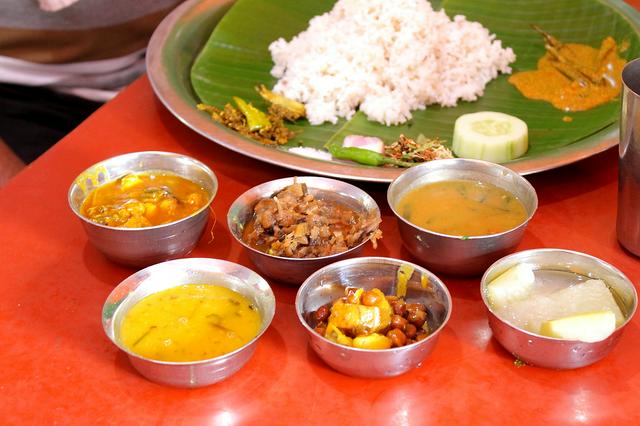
(256, 119)
(236, 58)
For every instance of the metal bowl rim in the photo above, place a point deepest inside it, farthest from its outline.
(433, 335)
(607, 265)
(186, 363)
(197, 163)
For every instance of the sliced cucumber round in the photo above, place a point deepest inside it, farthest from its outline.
(490, 136)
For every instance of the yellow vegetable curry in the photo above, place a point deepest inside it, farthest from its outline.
(144, 199)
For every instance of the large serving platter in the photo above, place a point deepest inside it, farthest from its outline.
(178, 41)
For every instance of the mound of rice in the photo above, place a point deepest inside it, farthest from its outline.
(386, 58)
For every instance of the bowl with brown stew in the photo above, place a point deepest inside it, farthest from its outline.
(293, 226)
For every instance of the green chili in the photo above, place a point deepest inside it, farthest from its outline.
(364, 156)
(256, 119)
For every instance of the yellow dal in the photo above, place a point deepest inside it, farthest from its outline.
(462, 208)
(190, 322)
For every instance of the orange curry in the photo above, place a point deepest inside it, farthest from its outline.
(144, 199)
(573, 77)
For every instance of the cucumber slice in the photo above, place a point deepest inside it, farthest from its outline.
(490, 136)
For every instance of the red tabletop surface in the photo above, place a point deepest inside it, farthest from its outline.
(57, 365)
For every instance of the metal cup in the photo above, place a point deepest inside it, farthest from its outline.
(628, 222)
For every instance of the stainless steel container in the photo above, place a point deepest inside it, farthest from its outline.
(328, 284)
(460, 255)
(628, 221)
(188, 271)
(551, 352)
(296, 270)
(144, 246)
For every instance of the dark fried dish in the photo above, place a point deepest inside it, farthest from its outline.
(293, 223)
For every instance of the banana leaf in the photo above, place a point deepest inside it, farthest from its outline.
(236, 58)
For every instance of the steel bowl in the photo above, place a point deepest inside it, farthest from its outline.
(188, 271)
(460, 255)
(144, 246)
(328, 284)
(552, 352)
(296, 270)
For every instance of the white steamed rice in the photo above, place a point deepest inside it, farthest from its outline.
(386, 58)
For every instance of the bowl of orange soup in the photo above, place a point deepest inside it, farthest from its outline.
(458, 216)
(189, 322)
(144, 207)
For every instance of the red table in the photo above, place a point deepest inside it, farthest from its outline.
(57, 366)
